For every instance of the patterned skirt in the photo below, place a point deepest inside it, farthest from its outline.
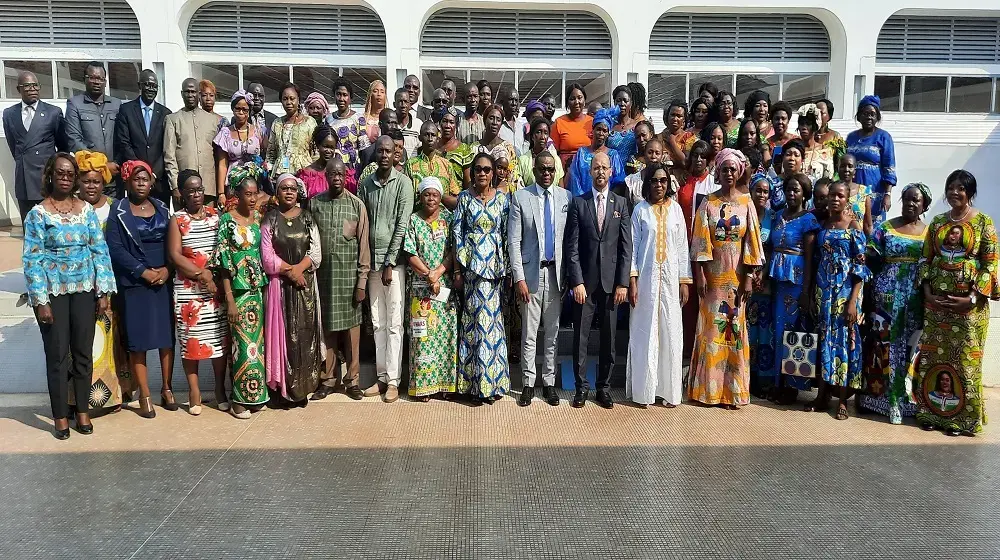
(760, 324)
(482, 347)
(249, 373)
(111, 378)
(433, 362)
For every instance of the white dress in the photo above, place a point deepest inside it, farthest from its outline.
(656, 333)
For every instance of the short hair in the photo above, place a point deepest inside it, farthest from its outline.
(50, 170)
(383, 115)
(470, 85)
(321, 133)
(822, 182)
(400, 91)
(700, 148)
(618, 89)
(207, 85)
(504, 92)
(342, 83)
(646, 123)
(493, 107)
(755, 159)
(964, 178)
(781, 106)
(487, 156)
(575, 87)
(647, 178)
(755, 97)
(95, 64)
(709, 131)
(239, 187)
(395, 134)
(185, 175)
(535, 123)
(804, 181)
(291, 85)
(673, 104)
(925, 198)
(829, 106)
(545, 154)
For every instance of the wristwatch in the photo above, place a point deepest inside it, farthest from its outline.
(972, 297)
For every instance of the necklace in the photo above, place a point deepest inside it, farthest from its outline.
(141, 207)
(60, 210)
(964, 215)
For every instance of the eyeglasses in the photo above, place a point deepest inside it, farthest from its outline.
(241, 110)
(659, 180)
(198, 190)
(727, 170)
(548, 169)
(63, 174)
(482, 169)
(28, 85)
(726, 103)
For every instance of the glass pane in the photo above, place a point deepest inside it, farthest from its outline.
(496, 78)
(924, 93)
(226, 78)
(596, 84)
(804, 88)
(271, 77)
(432, 80)
(361, 79)
(749, 83)
(314, 78)
(664, 88)
(42, 69)
(721, 81)
(533, 85)
(123, 77)
(887, 88)
(970, 95)
(996, 99)
(70, 76)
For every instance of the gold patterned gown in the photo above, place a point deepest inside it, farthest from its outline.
(726, 242)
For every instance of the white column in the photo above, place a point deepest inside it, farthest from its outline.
(854, 54)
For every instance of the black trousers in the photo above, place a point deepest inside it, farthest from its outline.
(69, 350)
(583, 317)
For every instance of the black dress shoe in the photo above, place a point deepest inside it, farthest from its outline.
(551, 396)
(354, 392)
(604, 399)
(579, 399)
(85, 429)
(527, 394)
(61, 434)
(323, 392)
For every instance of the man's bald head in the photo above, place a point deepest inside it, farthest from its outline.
(600, 170)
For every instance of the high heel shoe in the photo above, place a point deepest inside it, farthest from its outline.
(85, 429)
(167, 400)
(146, 407)
(61, 434)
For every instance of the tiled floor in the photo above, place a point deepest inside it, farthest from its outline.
(440, 480)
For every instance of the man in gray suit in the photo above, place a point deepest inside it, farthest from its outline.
(535, 230)
(91, 116)
(34, 131)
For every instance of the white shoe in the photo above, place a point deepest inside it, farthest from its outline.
(245, 415)
(224, 406)
(194, 410)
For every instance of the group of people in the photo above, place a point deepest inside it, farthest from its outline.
(760, 258)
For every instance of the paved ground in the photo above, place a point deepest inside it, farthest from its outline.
(440, 480)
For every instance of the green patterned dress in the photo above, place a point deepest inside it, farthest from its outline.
(433, 324)
(959, 258)
(238, 254)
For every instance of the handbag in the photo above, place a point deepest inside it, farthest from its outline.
(799, 351)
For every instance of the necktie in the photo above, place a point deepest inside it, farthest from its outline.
(550, 234)
(600, 213)
(147, 115)
(29, 114)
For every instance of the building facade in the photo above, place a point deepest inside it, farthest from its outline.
(937, 71)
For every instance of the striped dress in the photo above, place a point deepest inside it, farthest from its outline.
(200, 318)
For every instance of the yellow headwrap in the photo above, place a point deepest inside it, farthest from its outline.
(94, 161)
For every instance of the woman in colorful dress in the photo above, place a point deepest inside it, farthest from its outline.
(493, 144)
(198, 314)
(659, 286)
(627, 111)
(317, 107)
(433, 322)
(479, 230)
(894, 252)
(699, 113)
(959, 276)
(839, 278)
(726, 249)
(349, 127)
(760, 308)
(826, 135)
(290, 146)
(757, 108)
(294, 351)
(781, 132)
(459, 155)
(68, 275)
(578, 177)
(860, 200)
(136, 239)
(237, 261)
(111, 384)
(715, 137)
(725, 109)
(875, 156)
(571, 131)
(750, 143)
(238, 143)
(818, 159)
(374, 103)
(791, 157)
(675, 139)
(790, 271)
(538, 139)
(314, 175)
(644, 132)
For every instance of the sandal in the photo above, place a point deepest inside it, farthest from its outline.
(167, 400)
(842, 412)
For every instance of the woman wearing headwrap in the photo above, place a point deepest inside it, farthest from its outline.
(238, 143)
(290, 251)
(875, 154)
(578, 179)
(433, 323)
(817, 161)
(726, 250)
(374, 103)
(236, 175)
(317, 107)
(136, 235)
(894, 252)
(111, 384)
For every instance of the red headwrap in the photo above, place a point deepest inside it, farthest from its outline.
(131, 167)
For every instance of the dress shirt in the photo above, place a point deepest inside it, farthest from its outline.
(28, 113)
(606, 193)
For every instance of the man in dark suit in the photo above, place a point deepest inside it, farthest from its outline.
(34, 131)
(139, 133)
(599, 252)
(259, 116)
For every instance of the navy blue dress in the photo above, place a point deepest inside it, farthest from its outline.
(148, 310)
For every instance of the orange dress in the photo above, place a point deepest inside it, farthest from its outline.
(570, 135)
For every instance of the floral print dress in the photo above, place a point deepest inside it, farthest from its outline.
(841, 264)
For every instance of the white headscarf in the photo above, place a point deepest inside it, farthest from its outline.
(431, 183)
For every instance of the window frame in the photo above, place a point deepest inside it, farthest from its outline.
(516, 67)
(948, 71)
(104, 56)
(790, 68)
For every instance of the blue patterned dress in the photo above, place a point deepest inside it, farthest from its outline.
(480, 233)
(876, 166)
(578, 178)
(899, 313)
(788, 273)
(760, 322)
(841, 263)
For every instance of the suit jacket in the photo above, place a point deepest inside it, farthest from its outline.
(32, 148)
(128, 259)
(92, 127)
(599, 260)
(187, 144)
(527, 244)
(132, 142)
